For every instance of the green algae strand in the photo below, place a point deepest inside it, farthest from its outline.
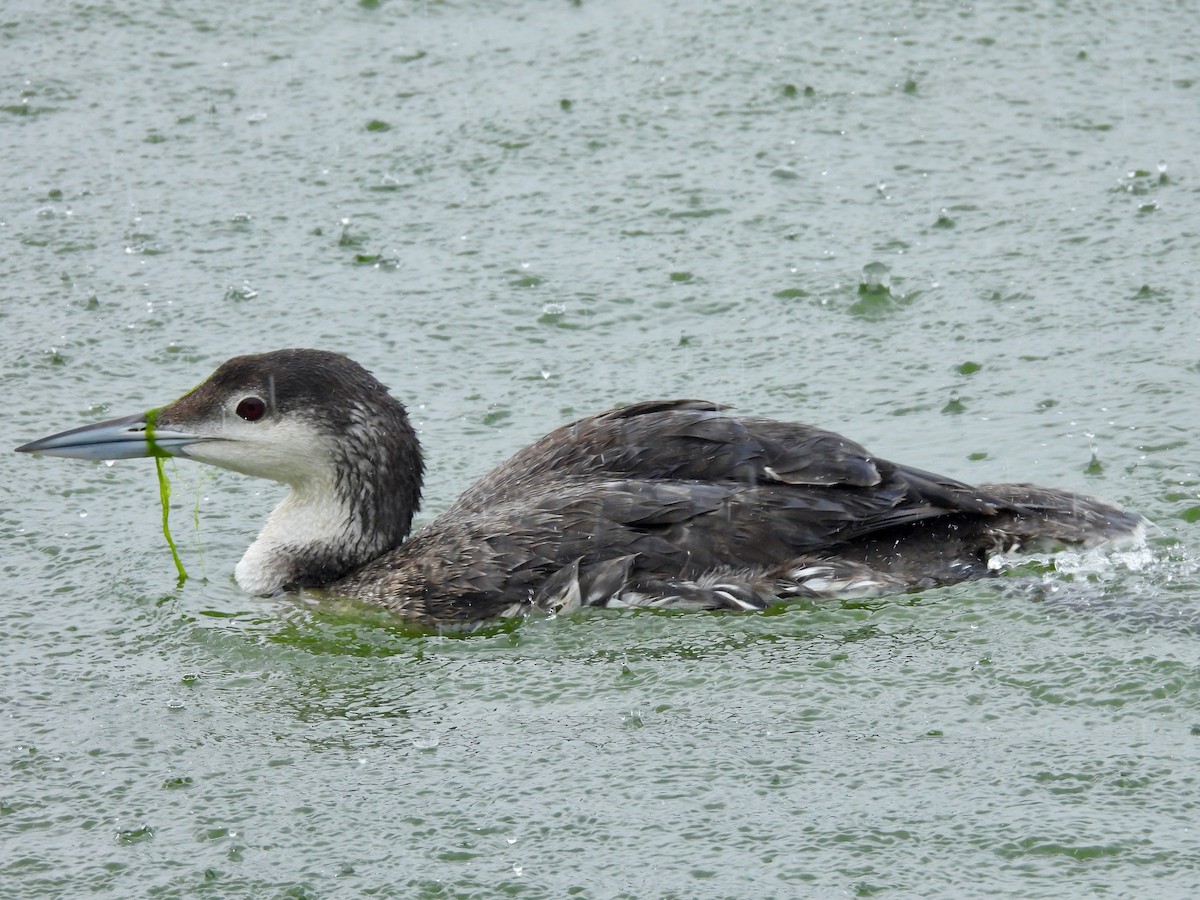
(164, 492)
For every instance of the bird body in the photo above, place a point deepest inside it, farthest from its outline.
(667, 504)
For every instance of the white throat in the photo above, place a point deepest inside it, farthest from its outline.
(309, 523)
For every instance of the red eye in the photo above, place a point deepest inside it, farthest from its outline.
(252, 409)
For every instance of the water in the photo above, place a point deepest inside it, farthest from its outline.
(518, 213)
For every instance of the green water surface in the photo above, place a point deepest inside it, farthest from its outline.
(963, 234)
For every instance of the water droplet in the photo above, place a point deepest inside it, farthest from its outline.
(876, 278)
(135, 835)
(955, 406)
(240, 294)
(944, 220)
(426, 743)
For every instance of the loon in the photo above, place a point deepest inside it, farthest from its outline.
(672, 503)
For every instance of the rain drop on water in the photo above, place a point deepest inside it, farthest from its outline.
(876, 277)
